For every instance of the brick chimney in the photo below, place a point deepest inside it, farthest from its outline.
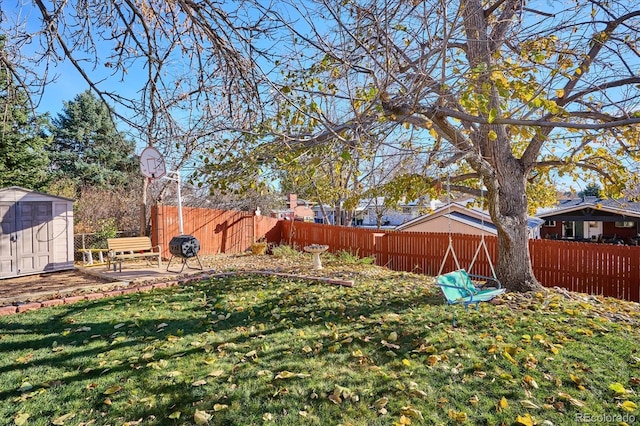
(293, 201)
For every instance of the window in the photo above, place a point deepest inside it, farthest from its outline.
(625, 224)
(550, 223)
(406, 210)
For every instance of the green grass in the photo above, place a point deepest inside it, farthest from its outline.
(247, 350)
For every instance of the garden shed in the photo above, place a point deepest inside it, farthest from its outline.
(36, 232)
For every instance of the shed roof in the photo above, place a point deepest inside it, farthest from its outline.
(15, 193)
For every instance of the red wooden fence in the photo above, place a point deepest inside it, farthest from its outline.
(603, 269)
(218, 231)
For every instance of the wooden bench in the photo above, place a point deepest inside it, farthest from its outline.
(131, 248)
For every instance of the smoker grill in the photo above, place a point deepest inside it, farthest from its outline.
(184, 247)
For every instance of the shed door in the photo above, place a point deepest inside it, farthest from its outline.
(8, 255)
(35, 237)
(26, 240)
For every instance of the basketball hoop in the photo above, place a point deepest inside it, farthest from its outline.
(152, 164)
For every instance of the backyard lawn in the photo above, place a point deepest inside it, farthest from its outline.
(254, 349)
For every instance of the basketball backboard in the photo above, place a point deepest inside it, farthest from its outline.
(152, 164)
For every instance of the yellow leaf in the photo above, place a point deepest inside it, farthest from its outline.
(201, 417)
(618, 388)
(433, 360)
(406, 362)
(458, 416)
(530, 381)
(508, 356)
(503, 404)
(175, 415)
(199, 383)
(492, 135)
(525, 420)
(216, 373)
(392, 337)
(267, 417)
(113, 389)
(629, 406)
(560, 93)
(21, 419)
(220, 407)
(404, 420)
(60, 420)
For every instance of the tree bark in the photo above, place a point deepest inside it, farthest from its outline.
(509, 214)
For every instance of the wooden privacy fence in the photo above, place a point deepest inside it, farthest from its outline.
(218, 231)
(602, 269)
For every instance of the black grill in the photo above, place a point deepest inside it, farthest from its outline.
(184, 246)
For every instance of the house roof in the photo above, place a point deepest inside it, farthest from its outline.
(459, 212)
(621, 207)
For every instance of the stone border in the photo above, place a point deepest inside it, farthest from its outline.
(143, 287)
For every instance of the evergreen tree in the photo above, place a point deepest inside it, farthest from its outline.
(23, 157)
(88, 149)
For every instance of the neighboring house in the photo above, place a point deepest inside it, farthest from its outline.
(371, 210)
(297, 209)
(593, 219)
(457, 218)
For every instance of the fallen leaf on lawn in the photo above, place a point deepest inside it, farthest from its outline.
(458, 416)
(433, 360)
(21, 419)
(113, 389)
(201, 417)
(525, 420)
(216, 373)
(404, 420)
(117, 326)
(335, 399)
(174, 373)
(199, 383)
(60, 420)
(267, 417)
(390, 345)
(107, 401)
(25, 386)
(288, 375)
(220, 407)
(175, 415)
(530, 381)
(629, 406)
(571, 400)
(528, 404)
(503, 404)
(381, 402)
(618, 388)
(392, 337)
(410, 411)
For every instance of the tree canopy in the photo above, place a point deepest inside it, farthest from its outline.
(88, 149)
(23, 157)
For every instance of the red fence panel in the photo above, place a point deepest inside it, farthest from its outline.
(218, 231)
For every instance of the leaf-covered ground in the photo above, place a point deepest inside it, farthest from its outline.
(250, 349)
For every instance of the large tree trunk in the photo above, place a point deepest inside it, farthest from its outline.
(509, 214)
